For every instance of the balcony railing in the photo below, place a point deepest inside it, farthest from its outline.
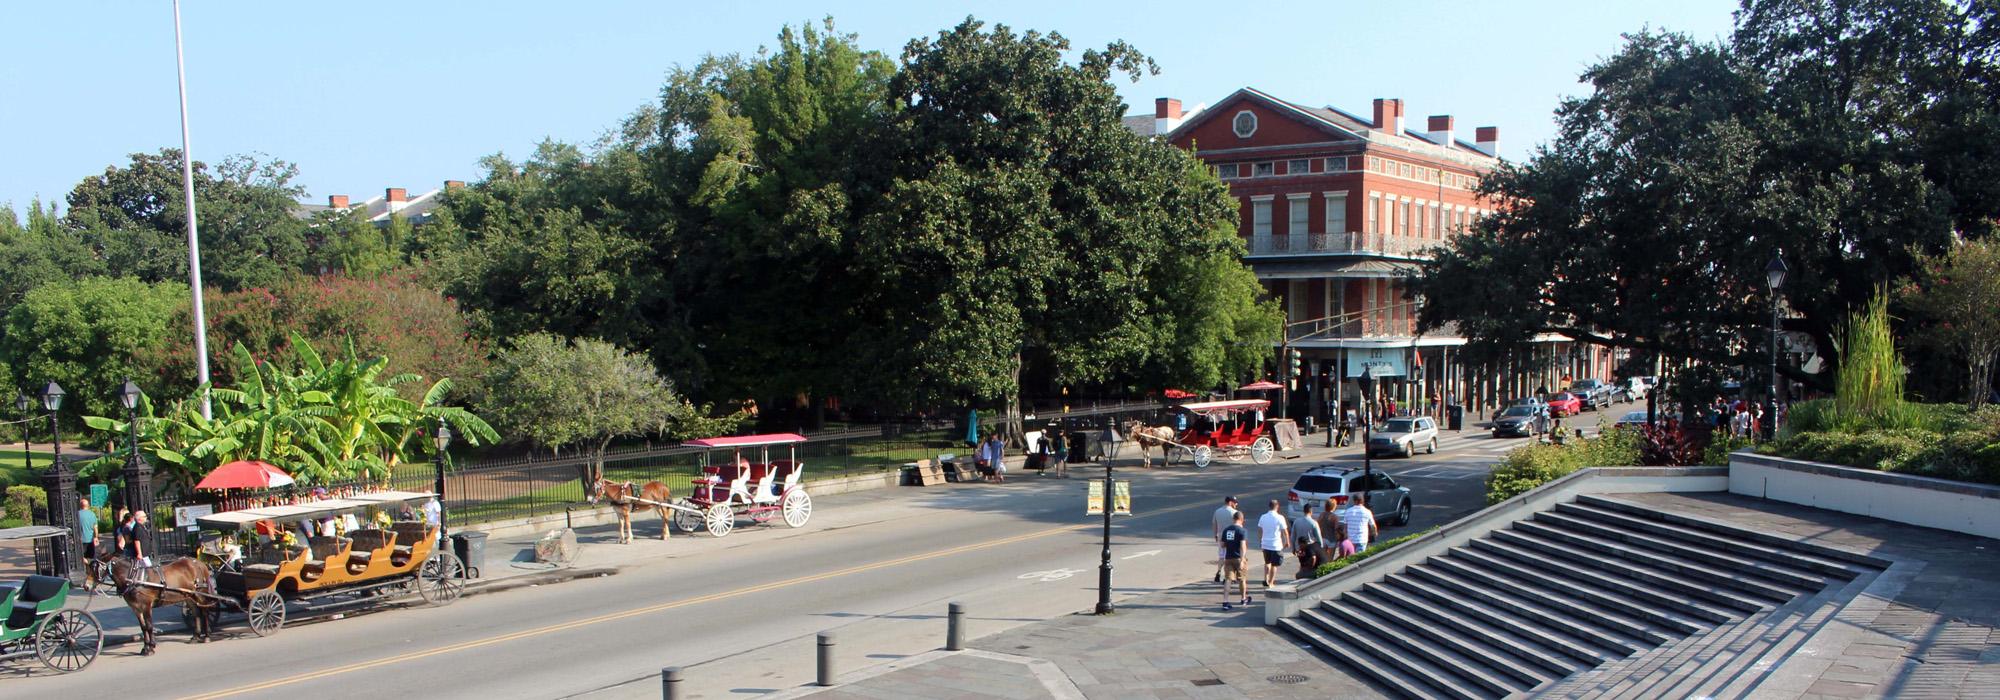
(1351, 243)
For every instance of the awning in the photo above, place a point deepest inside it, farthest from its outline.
(1315, 269)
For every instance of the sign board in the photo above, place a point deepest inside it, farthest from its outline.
(184, 516)
(1121, 494)
(1388, 362)
(99, 495)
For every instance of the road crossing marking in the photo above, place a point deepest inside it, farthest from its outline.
(1050, 575)
(1147, 553)
(649, 609)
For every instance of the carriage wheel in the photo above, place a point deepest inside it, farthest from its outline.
(267, 613)
(1260, 451)
(68, 640)
(798, 508)
(687, 517)
(1202, 456)
(720, 520)
(441, 579)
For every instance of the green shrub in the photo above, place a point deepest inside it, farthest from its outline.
(1343, 563)
(23, 500)
(1527, 467)
(1720, 444)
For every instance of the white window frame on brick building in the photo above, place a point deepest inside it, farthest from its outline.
(1336, 212)
(1244, 124)
(1374, 222)
(1298, 221)
(1260, 220)
(1298, 166)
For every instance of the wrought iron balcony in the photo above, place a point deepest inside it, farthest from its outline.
(1350, 243)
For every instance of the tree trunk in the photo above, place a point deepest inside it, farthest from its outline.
(1979, 364)
(1011, 429)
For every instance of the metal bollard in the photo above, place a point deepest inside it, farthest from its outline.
(954, 635)
(670, 683)
(825, 659)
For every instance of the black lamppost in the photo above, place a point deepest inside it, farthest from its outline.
(60, 485)
(1774, 278)
(138, 473)
(1367, 383)
(1105, 567)
(443, 439)
(25, 406)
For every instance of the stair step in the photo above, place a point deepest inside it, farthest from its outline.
(1500, 658)
(1625, 598)
(1764, 538)
(1578, 647)
(1594, 615)
(1472, 669)
(1636, 572)
(1609, 631)
(1782, 574)
(1776, 594)
(1359, 652)
(1715, 543)
(1489, 632)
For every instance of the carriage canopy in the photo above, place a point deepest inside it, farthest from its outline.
(247, 518)
(748, 440)
(1213, 408)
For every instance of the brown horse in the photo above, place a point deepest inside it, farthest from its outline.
(1150, 436)
(621, 498)
(145, 589)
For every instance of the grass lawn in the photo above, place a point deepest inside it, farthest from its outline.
(14, 467)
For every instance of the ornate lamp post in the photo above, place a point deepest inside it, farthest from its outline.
(1104, 567)
(60, 485)
(443, 439)
(138, 473)
(1774, 278)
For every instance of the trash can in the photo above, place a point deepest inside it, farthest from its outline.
(1306, 425)
(1457, 416)
(470, 546)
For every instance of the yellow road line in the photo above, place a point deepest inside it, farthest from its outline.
(634, 612)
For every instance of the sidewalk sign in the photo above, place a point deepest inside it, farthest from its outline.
(1121, 494)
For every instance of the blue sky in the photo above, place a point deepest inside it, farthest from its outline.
(367, 95)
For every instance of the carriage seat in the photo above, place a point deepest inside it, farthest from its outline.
(783, 474)
(28, 600)
(323, 549)
(408, 534)
(763, 475)
(365, 543)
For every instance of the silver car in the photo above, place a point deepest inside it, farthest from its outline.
(1320, 486)
(1404, 436)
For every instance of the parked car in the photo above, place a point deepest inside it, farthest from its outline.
(1404, 436)
(1531, 401)
(1632, 420)
(1521, 421)
(1565, 404)
(1633, 388)
(1320, 486)
(1593, 394)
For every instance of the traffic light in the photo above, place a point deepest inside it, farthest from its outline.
(1297, 359)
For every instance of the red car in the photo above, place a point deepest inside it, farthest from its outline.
(1565, 404)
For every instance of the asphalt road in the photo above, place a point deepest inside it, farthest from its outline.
(740, 613)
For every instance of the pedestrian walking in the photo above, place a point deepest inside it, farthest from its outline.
(86, 531)
(136, 534)
(1273, 535)
(1348, 422)
(1220, 521)
(993, 453)
(1306, 536)
(1232, 538)
(1360, 522)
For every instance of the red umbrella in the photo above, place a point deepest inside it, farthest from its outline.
(1178, 394)
(1260, 386)
(246, 474)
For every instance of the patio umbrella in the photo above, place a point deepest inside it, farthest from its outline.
(972, 427)
(1178, 394)
(247, 474)
(1260, 386)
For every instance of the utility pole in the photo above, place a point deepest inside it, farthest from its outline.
(194, 239)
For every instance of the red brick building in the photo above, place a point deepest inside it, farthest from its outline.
(1335, 208)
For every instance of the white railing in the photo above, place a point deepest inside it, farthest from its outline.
(1340, 243)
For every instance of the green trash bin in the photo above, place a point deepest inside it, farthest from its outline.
(470, 546)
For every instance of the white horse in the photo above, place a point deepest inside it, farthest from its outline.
(1149, 436)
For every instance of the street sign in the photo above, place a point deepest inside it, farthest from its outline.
(184, 516)
(1121, 494)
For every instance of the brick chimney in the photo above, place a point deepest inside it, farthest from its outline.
(1389, 115)
(454, 184)
(337, 201)
(1167, 115)
(1440, 129)
(1488, 139)
(396, 194)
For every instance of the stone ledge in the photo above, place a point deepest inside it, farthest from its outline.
(1928, 483)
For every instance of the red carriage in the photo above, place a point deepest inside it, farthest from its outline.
(1227, 429)
(734, 485)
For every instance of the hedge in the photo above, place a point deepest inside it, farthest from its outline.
(1345, 562)
(1527, 467)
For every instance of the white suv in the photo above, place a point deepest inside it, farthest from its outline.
(1319, 486)
(1404, 436)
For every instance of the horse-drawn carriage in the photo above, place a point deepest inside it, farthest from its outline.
(761, 489)
(1227, 429)
(36, 622)
(321, 573)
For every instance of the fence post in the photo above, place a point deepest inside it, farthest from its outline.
(954, 635)
(670, 683)
(825, 659)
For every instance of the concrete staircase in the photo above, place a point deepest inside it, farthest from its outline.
(1539, 607)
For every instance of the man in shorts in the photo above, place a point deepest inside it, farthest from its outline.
(1274, 534)
(1232, 538)
(1220, 521)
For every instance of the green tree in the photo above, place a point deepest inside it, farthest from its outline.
(1958, 294)
(586, 393)
(90, 335)
(38, 251)
(134, 217)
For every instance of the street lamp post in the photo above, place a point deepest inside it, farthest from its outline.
(1774, 278)
(25, 406)
(1104, 566)
(443, 452)
(1367, 383)
(138, 473)
(60, 485)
